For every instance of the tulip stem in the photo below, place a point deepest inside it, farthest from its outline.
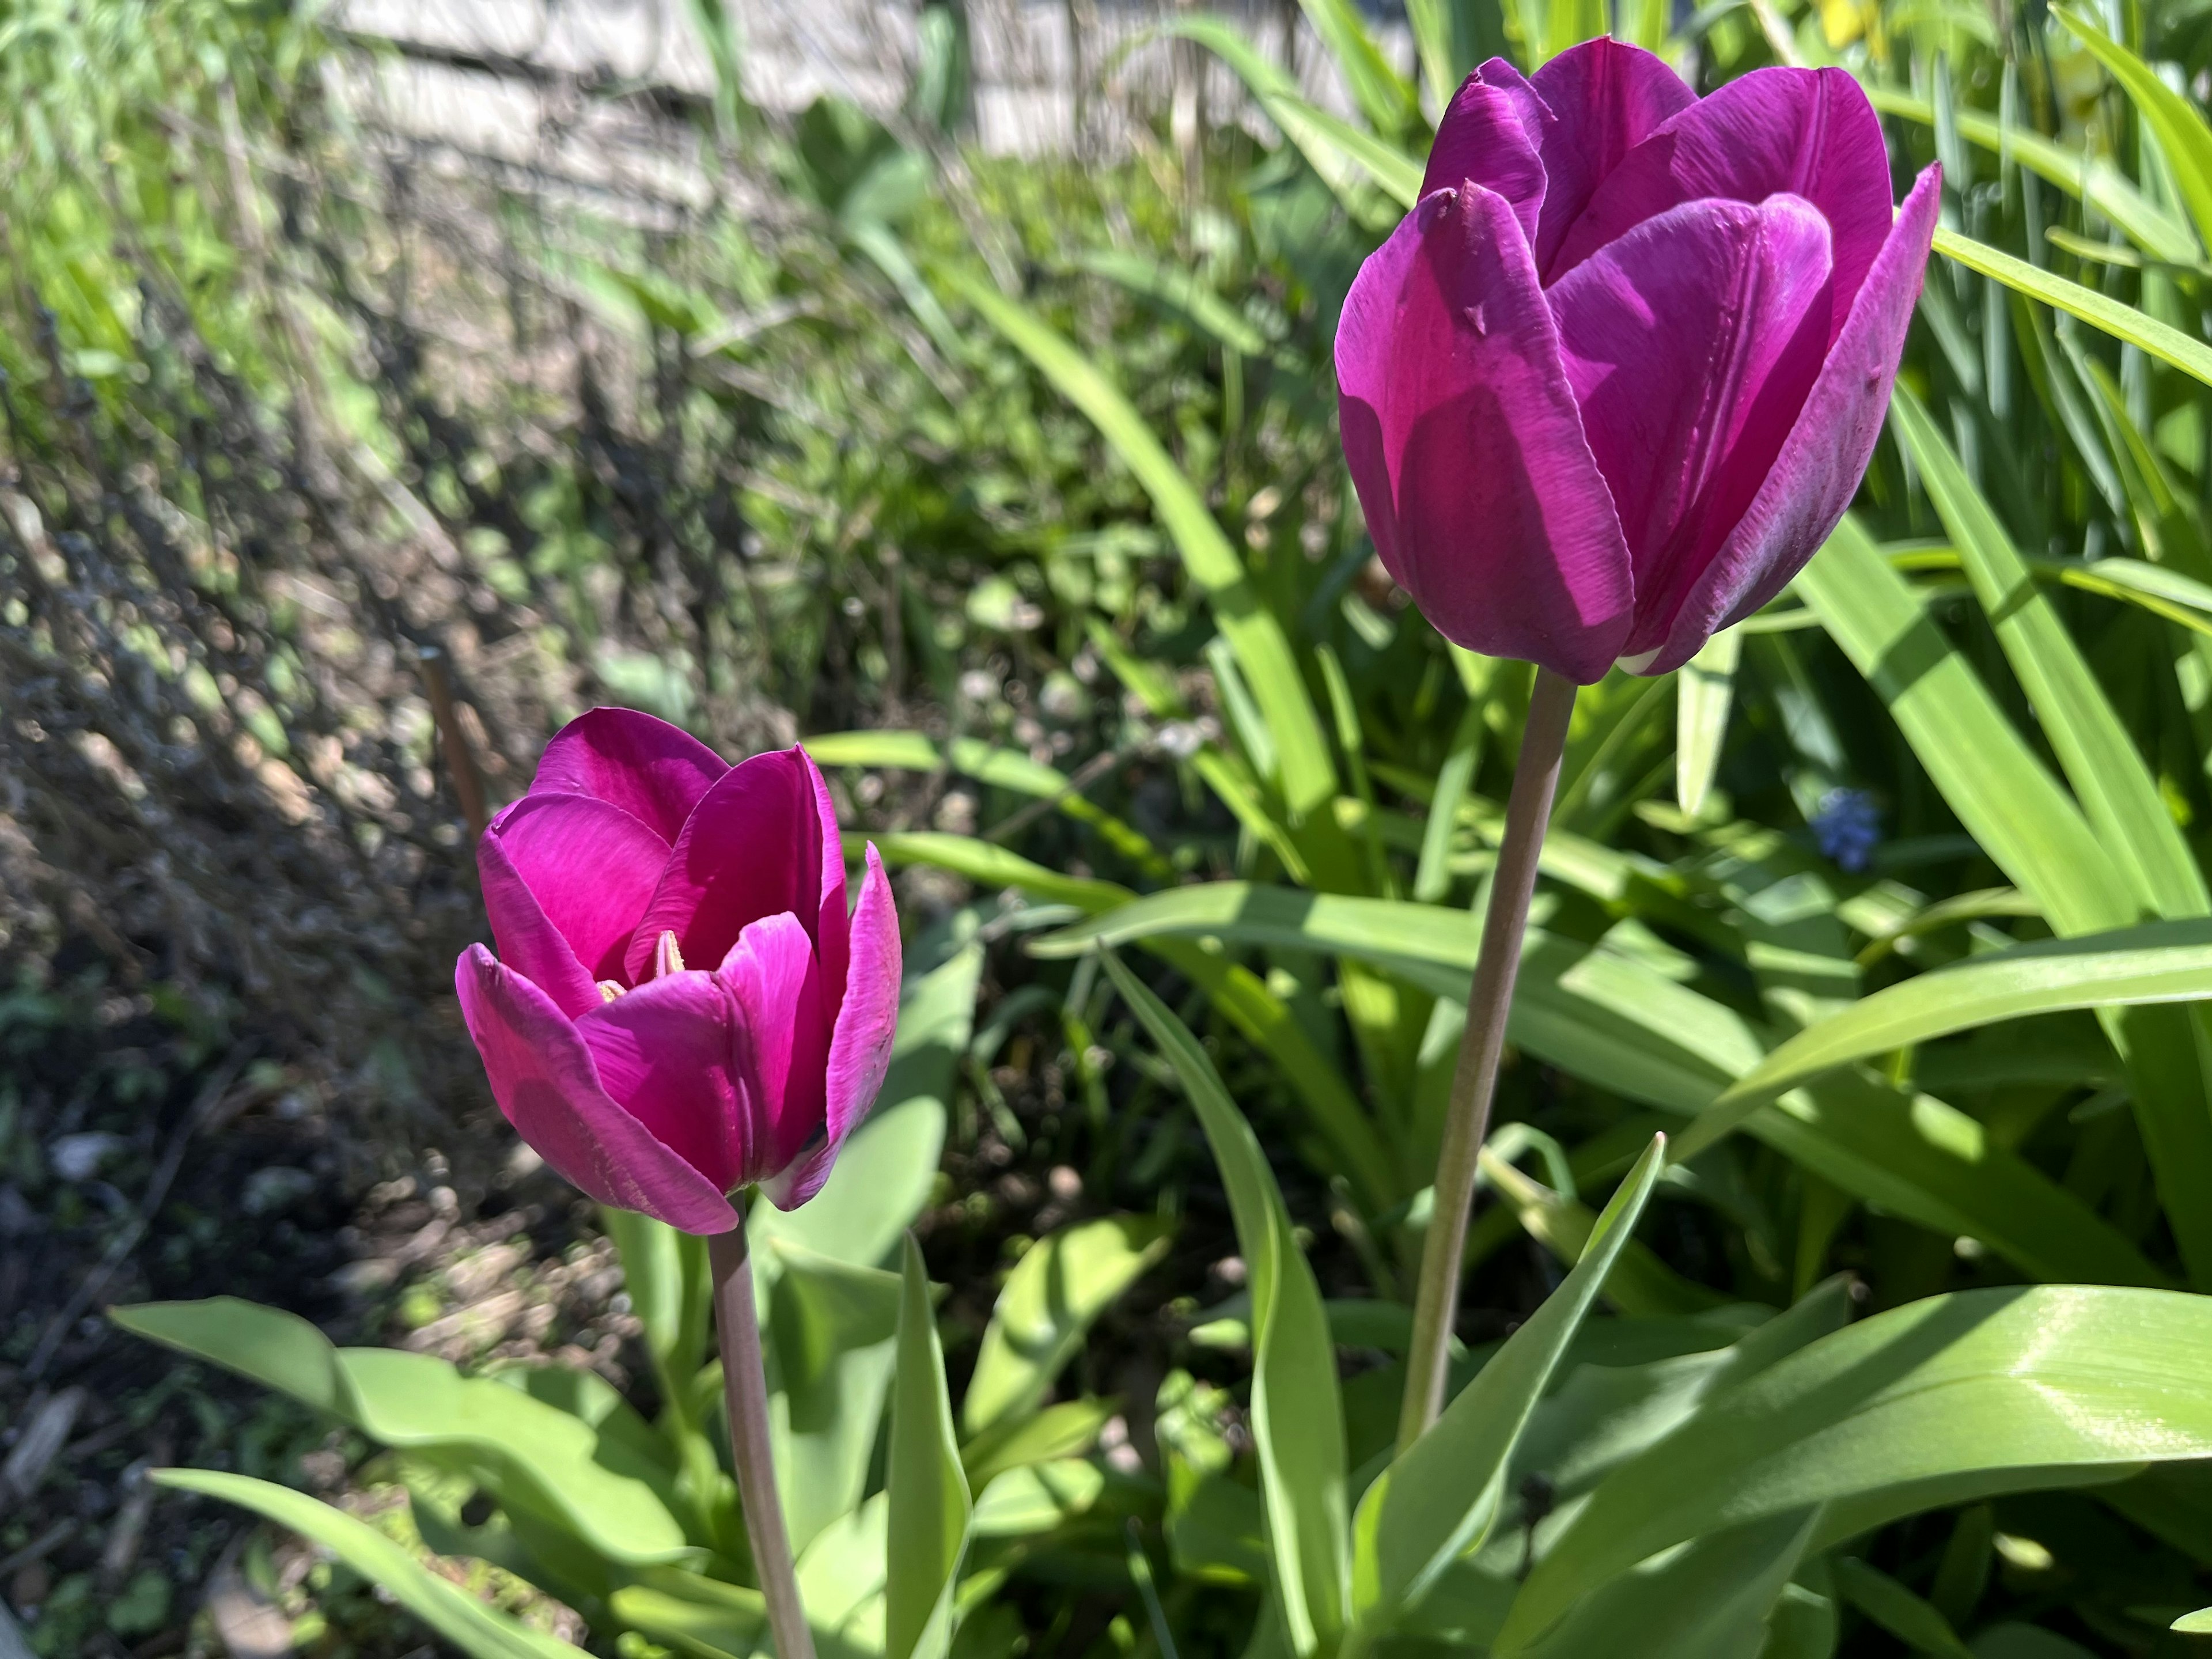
(744, 1387)
(1474, 1080)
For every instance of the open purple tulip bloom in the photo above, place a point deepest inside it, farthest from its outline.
(1616, 376)
(681, 1006)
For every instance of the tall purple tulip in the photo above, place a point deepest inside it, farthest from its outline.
(1616, 376)
(681, 1006)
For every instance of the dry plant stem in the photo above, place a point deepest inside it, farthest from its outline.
(744, 1387)
(1474, 1080)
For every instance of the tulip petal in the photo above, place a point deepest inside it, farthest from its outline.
(653, 771)
(833, 928)
(751, 847)
(1690, 343)
(1822, 461)
(1491, 134)
(665, 1053)
(860, 1046)
(1609, 97)
(1464, 444)
(782, 1036)
(546, 1082)
(566, 872)
(1774, 131)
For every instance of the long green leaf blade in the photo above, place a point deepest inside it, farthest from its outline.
(1298, 1423)
(928, 1487)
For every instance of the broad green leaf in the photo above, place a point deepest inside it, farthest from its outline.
(2023, 819)
(478, 1631)
(1297, 1425)
(1058, 1431)
(2163, 962)
(1345, 155)
(704, 1618)
(831, 1327)
(1710, 1601)
(2008, 800)
(1440, 1496)
(1381, 92)
(527, 1453)
(664, 1274)
(1605, 1016)
(1062, 1282)
(1913, 1620)
(2099, 755)
(1179, 288)
(2094, 179)
(1307, 773)
(1938, 1402)
(1701, 717)
(1339, 1120)
(884, 1171)
(929, 1503)
(2199, 1623)
(1002, 769)
(1037, 1497)
(2123, 322)
(2181, 133)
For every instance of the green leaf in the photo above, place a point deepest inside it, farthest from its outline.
(2092, 178)
(1002, 769)
(2008, 800)
(831, 1329)
(1037, 1497)
(1309, 774)
(929, 1505)
(2199, 1623)
(1384, 97)
(2182, 134)
(527, 1453)
(665, 1276)
(1701, 717)
(1439, 1499)
(2123, 322)
(1935, 1403)
(1346, 157)
(1062, 1282)
(701, 1617)
(2162, 962)
(1710, 1601)
(1605, 1016)
(2096, 750)
(1914, 1621)
(1297, 1423)
(478, 1631)
(1058, 1431)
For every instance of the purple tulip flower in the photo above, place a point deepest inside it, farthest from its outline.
(1616, 376)
(681, 1006)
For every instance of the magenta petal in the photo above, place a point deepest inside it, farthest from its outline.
(860, 1046)
(1466, 446)
(1690, 343)
(653, 771)
(546, 1082)
(665, 1052)
(528, 941)
(1814, 476)
(1775, 131)
(590, 867)
(1609, 97)
(832, 928)
(751, 847)
(782, 1037)
(1490, 135)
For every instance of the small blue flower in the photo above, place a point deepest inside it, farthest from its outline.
(1848, 827)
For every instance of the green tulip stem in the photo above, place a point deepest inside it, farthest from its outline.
(744, 1387)
(1474, 1080)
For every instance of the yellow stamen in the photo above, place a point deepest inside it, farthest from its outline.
(610, 989)
(666, 959)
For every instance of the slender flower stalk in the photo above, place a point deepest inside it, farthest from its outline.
(1474, 1080)
(744, 1387)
